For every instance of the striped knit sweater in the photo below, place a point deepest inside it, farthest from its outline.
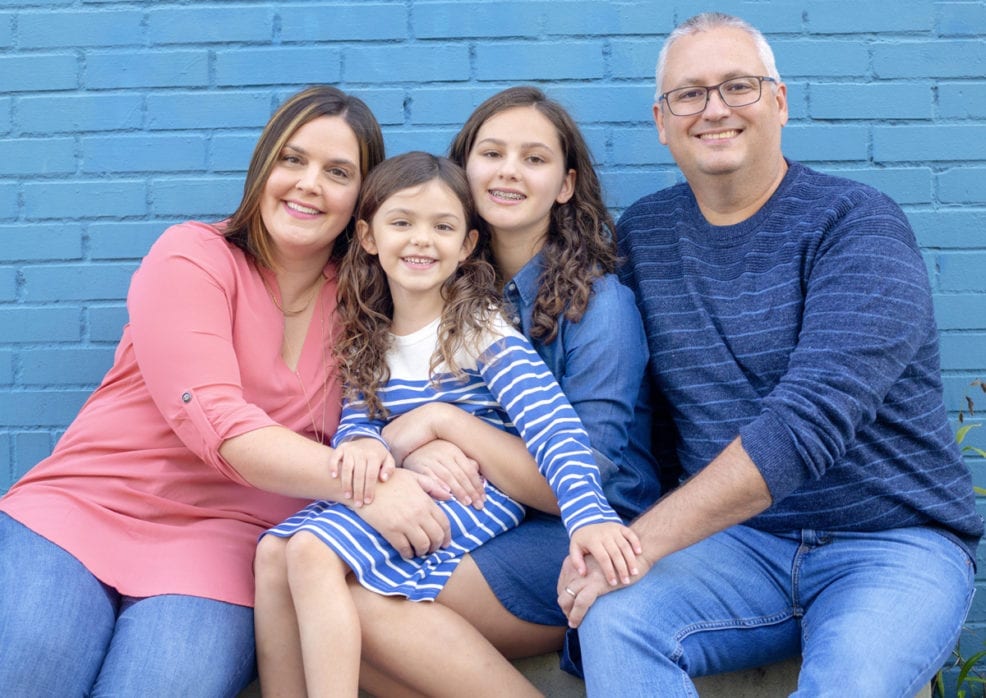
(807, 330)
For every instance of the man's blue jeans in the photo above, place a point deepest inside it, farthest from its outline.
(63, 633)
(873, 614)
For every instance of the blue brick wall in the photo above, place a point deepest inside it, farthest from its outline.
(119, 118)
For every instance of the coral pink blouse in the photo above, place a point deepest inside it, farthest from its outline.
(136, 488)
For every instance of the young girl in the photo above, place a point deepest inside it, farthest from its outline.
(420, 323)
(551, 241)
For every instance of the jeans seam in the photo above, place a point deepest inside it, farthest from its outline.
(733, 624)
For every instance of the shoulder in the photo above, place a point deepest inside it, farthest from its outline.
(660, 203)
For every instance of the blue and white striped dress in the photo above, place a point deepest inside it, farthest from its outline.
(508, 386)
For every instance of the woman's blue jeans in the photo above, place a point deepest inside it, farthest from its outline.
(64, 634)
(872, 614)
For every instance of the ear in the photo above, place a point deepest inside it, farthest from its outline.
(567, 188)
(659, 122)
(365, 237)
(468, 244)
(781, 98)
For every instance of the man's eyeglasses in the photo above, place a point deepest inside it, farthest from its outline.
(735, 92)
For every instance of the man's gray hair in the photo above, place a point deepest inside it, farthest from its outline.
(714, 20)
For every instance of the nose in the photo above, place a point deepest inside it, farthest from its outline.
(715, 106)
(308, 179)
(420, 236)
(508, 167)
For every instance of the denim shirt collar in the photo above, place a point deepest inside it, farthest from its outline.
(525, 283)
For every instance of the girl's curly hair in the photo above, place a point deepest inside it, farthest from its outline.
(365, 306)
(580, 244)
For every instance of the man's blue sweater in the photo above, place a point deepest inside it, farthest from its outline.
(807, 330)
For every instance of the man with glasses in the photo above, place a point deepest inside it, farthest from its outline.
(824, 508)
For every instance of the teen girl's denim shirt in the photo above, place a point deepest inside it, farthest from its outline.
(600, 363)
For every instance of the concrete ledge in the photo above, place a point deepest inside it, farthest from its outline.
(777, 680)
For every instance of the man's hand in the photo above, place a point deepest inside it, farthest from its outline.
(445, 462)
(405, 514)
(577, 592)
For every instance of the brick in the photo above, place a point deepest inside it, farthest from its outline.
(8, 200)
(635, 59)
(825, 59)
(830, 17)
(6, 111)
(964, 351)
(37, 156)
(76, 366)
(962, 100)
(211, 197)
(931, 59)
(613, 19)
(38, 72)
(40, 408)
(6, 29)
(905, 185)
(540, 60)
(142, 69)
(431, 140)
(962, 185)
(387, 104)
(949, 228)
(606, 103)
(6, 367)
(438, 61)
(938, 142)
(128, 240)
(826, 143)
(962, 311)
(624, 187)
(430, 106)
(8, 284)
(31, 447)
(73, 113)
(63, 29)
(74, 199)
(961, 19)
(228, 23)
(344, 22)
(639, 146)
(871, 101)
(140, 153)
(77, 282)
(38, 242)
(207, 110)
(106, 322)
(231, 152)
(963, 271)
(442, 20)
(8, 475)
(40, 325)
(275, 66)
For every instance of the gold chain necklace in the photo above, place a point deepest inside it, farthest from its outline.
(299, 311)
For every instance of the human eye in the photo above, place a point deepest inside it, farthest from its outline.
(687, 95)
(289, 158)
(536, 159)
(339, 173)
(740, 86)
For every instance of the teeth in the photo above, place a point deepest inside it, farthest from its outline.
(719, 136)
(514, 196)
(302, 209)
(418, 260)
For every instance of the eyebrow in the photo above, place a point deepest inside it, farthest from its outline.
(529, 144)
(408, 212)
(693, 82)
(333, 161)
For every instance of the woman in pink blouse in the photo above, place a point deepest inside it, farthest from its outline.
(125, 557)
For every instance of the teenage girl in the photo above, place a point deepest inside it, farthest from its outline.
(419, 324)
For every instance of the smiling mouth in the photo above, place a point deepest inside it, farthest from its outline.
(719, 135)
(506, 195)
(307, 210)
(420, 261)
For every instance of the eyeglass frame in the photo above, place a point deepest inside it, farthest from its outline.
(718, 88)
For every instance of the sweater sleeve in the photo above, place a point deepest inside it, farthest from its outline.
(525, 388)
(867, 312)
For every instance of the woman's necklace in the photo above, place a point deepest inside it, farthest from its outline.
(299, 311)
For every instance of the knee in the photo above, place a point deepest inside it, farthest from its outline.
(308, 559)
(270, 562)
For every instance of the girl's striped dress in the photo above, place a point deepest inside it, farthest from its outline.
(507, 385)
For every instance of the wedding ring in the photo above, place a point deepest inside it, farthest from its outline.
(570, 592)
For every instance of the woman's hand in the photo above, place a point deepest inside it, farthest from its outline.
(405, 514)
(412, 430)
(454, 470)
(359, 464)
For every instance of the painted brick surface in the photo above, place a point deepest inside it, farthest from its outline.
(118, 119)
